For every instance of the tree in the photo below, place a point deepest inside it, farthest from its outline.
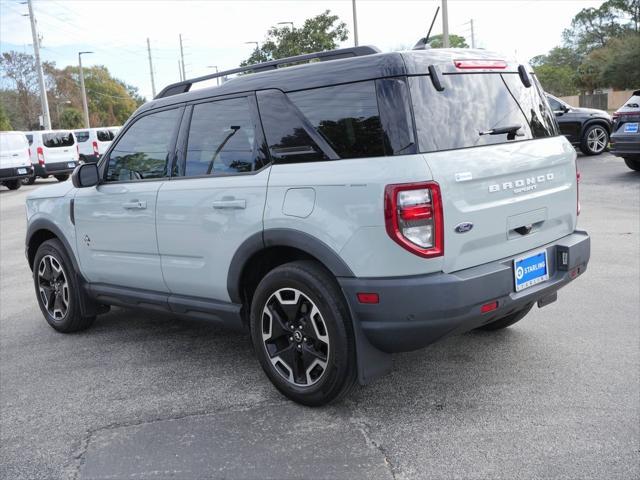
(558, 80)
(20, 69)
(622, 63)
(71, 118)
(320, 33)
(455, 41)
(5, 124)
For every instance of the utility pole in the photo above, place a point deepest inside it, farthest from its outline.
(445, 25)
(85, 105)
(473, 38)
(180, 71)
(153, 83)
(46, 118)
(184, 73)
(355, 23)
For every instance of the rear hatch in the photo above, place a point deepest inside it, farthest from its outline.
(507, 178)
(625, 134)
(14, 150)
(59, 146)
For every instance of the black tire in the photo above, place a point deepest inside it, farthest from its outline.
(82, 159)
(72, 320)
(29, 181)
(507, 321)
(595, 140)
(62, 178)
(13, 184)
(633, 163)
(317, 288)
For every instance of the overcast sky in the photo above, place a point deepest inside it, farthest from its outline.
(215, 31)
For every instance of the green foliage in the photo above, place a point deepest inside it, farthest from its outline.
(71, 118)
(601, 49)
(455, 41)
(320, 33)
(5, 124)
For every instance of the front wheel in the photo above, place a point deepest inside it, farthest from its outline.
(633, 163)
(594, 140)
(62, 178)
(57, 288)
(13, 184)
(302, 333)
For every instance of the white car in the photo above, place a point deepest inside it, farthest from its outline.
(53, 152)
(93, 142)
(15, 163)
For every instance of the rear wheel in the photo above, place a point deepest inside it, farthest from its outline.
(594, 140)
(62, 178)
(57, 288)
(633, 163)
(302, 334)
(507, 321)
(29, 181)
(13, 184)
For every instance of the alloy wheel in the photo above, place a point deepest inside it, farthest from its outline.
(53, 287)
(597, 140)
(295, 337)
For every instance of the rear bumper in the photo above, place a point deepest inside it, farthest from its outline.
(58, 168)
(91, 158)
(625, 145)
(414, 312)
(8, 174)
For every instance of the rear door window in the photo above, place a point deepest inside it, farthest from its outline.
(58, 139)
(104, 135)
(346, 116)
(82, 136)
(472, 106)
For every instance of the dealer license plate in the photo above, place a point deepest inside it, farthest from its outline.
(22, 171)
(631, 127)
(71, 164)
(530, 270)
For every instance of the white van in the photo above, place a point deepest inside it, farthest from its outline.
(93, 142)
(53, 152)
(15, 163)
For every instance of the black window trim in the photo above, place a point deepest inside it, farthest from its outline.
(104, 161)
(180, 157)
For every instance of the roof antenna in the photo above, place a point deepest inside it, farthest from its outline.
(423, 42)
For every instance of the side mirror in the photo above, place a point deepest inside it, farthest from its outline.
(85, 175)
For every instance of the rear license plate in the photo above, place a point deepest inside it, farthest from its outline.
(631, 127)
(22, 171)
(530, 270)
(71, 164)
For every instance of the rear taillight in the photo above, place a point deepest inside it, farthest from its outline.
(95, 148)
(480, 64)
(413, 217)
(577, 190)
(40, 156)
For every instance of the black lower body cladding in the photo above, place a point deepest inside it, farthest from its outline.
(416, 311)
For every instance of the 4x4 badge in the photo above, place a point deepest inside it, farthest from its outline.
(463, 227)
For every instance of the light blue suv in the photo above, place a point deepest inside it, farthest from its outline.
(339, 210)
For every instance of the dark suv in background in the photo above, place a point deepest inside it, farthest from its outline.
(586, 128)
(625, 139)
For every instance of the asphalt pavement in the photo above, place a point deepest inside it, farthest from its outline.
(148, 396)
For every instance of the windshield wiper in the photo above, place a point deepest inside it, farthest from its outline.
(510, 130)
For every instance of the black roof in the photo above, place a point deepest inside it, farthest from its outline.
(325, 73)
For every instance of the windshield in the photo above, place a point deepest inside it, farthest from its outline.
(478, 109)
(57, 139)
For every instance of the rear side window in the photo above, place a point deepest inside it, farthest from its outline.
(58, 139)
(12, 141)
(346, 116)
(222, 139)
(104, 135)
(82, 136)
(143, 151)
(30, 139)
(472, 106)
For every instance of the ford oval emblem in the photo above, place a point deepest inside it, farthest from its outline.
(463, 227)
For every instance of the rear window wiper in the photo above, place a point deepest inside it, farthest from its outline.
(510, 130)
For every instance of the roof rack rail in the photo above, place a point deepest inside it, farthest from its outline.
(185, 85)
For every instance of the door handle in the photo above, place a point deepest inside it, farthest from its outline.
(135, 205)
(230, 203)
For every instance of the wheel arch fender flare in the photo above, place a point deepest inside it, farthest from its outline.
(595, 121)
(41, 224)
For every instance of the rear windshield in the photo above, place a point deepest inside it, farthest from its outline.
(57, 139)
(12, 142)
(82, 136)
(472, 109)
(105, 135)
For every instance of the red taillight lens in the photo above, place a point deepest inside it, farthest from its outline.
(489, 307)
(368, 297)
(40, 156)
(413, 217)
(95, 148)
(480, 64)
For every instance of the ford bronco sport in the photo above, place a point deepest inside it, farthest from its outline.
(340, 210)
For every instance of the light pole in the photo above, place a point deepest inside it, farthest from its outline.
(217, 78)
(445, 25)
(85, 105)
(355, 23)
(252, 43)
(285, 23)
